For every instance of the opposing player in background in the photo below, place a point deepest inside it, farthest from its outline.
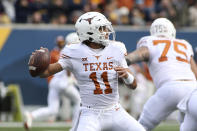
(171, 65)
(96, 64)
(61, 83)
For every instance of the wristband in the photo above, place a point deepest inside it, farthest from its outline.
(129, 80)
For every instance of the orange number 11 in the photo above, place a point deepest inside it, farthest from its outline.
(98, 89)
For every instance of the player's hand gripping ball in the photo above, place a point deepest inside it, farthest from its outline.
(39, 61)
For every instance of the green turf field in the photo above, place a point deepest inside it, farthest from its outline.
(165, 127)
(36, 129)
(162, 127)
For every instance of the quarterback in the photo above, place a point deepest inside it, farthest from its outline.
(60, 83)
(171, 64)
(96, 63)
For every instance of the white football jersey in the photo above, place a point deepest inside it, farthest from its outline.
(169, 59)
(93, 69)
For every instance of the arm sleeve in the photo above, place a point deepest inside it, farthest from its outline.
(143, 42)
(65, 61)
(191, 50)
(124, 63)
(123, 48)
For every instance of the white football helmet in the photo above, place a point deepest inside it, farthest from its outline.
(72, 38)
(163, 27)
(94, 27)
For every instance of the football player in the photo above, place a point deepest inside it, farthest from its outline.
(96, 63)
(171, 64)
(189, 107)
(59, 83)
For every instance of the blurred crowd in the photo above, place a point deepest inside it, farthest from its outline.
(119, 12)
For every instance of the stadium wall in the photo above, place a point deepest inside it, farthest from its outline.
(18, 41)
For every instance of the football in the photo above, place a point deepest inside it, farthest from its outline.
(39, 61)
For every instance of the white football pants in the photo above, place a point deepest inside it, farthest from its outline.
(190, 119)
(114, 118)
(164, 102)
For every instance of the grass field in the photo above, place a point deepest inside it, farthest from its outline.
(36, 129)
(167, 127)
(161, 127)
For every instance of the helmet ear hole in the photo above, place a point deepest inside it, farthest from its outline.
(90, 39)
(89, 33)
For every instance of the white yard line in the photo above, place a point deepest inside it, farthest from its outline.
(36, 124)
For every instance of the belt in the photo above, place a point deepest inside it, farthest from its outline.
(184, 80)
(117, 105)
(85, 106)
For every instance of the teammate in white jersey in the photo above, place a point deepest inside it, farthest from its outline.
(189, 107)
(96, 64)
(61, 83)
(171, 66)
